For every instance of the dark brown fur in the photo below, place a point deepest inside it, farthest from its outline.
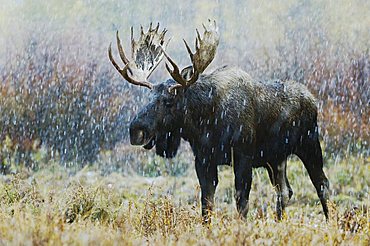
(227, 116)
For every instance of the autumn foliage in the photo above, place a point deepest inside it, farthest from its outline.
(59, 93)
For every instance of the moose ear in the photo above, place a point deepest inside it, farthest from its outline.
(187, 72)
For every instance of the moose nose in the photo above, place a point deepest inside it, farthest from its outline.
(139, 133)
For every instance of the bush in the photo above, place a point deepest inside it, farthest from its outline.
(59, 92)
(339, 80)
(72, 110)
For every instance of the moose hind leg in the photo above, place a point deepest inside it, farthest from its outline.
(243, 183)
(311, 156)
(208, 180)
(277, 174)
(289, 187)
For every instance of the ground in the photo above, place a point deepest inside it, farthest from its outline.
(54, 207)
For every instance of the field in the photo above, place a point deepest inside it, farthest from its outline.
(68, 174)
(54, 207)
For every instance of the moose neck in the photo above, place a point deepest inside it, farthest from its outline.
(198, 108)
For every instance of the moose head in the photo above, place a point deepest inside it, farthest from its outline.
(160, 122)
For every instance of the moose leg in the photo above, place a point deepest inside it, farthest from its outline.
(243, 183)
(311, 156)
(277, 174)
(273, 178)
(289, 187)
(208, 180)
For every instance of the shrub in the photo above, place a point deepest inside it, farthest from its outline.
(71, 109)
(340, 82)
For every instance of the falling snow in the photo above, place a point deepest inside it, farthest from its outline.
(63, 103)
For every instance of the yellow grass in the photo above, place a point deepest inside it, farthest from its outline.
(50, 207)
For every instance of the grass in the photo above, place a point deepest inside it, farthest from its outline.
(323, 44)
(51, 207)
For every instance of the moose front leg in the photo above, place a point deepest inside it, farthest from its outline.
(208, 180)
(243, 183)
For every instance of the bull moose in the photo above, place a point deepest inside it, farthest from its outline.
(226, 116)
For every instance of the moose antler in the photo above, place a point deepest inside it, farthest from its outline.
(205, 51)
(147, 53)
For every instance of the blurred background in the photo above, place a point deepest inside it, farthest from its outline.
(63, 102)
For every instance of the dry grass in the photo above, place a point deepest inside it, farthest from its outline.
(50, 207)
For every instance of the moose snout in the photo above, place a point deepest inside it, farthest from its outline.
(140, 133)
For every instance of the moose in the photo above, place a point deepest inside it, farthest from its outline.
(227, 117)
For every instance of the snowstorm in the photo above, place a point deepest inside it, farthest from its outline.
(184, 122)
